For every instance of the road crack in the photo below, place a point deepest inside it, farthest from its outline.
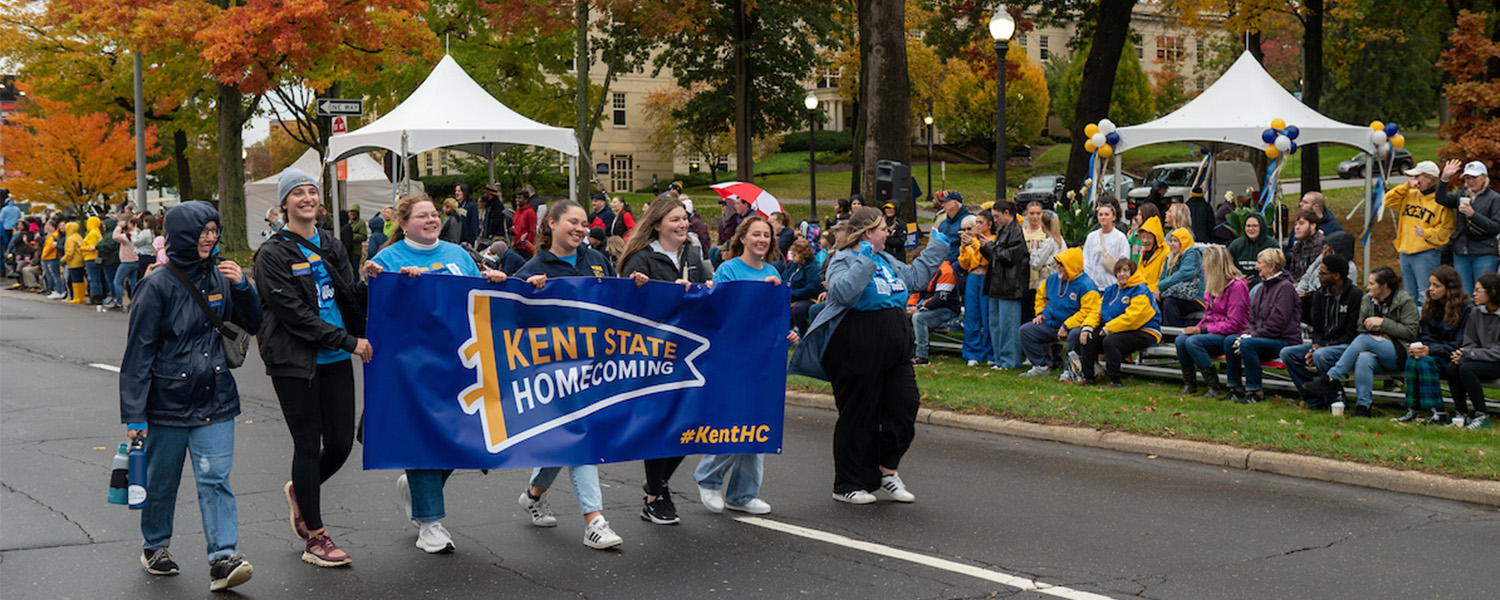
(49, 508)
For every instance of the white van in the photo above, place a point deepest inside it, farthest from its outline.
(1229, 175)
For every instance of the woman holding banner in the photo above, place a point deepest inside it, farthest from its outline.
(412, 251)
(753, 241)
(561, 252)
(660, 249)
(862, 344)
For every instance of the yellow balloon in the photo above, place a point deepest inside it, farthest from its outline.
(1377, 126)
(1106, 151)
(1271, 152)
(1088, 146)
(1398, 141)
(1090, 130)
(1278, 124)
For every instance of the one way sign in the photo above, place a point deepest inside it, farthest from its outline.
(333, 107)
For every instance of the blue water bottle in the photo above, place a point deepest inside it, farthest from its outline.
(118, 476)
(137, 475)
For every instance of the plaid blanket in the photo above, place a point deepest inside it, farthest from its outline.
(1424, 382)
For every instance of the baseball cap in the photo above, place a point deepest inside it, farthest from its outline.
(1425, 167)
(953, 195)
(888, 205)
(1475, 169)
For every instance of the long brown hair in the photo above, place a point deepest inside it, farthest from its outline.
(737, 243)
(555, 212)
(403, 212)
(1451, 308)
(645, 229)
(864, 219)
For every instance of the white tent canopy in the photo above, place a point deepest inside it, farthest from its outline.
(367, 186)
(1236, 109)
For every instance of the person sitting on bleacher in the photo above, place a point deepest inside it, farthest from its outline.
(1333, 316)
(1338, 242)
(1226, 300)
(1479, 359)
(1272, 326)
(1066, 302)
(1305, 246)
(1181, 284)
(1131, 323)
(1444, 315)
(1247, 248)
(934, 306)
(1387, 323)
(1153, 253)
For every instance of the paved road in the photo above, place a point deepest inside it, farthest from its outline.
(1115, 525)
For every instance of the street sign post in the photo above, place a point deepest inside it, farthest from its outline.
(333, 107)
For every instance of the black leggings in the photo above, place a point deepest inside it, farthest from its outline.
(868, 361)
(658, 472)
(1466, 380)
(1116, 346)
(1174, 309)
(320, 415)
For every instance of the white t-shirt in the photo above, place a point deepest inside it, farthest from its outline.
(1095, 247)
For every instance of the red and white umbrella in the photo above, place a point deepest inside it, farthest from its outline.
(760, 200)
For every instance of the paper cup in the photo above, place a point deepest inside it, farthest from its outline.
(1458, 420)
(1338, 409)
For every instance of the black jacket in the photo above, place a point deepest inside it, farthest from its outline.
(293, 331)
(658, 266)
(1473, 236)
(591, 263)
(895, 243)
(1010, 264)
(1334, 319)
(1203, 220)
(174, 372)
(1442, 340)
(805, 278)
(453, 228)
(494, 223)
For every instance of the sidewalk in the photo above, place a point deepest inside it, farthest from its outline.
(1294, 465)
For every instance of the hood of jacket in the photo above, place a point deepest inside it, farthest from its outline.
(1136, 277)
(1264, 240)
(1153, 225)
(183, 224)
(93, 224)
(1184, 237)
(1342, 243)
(71, 229)
(1071, 261)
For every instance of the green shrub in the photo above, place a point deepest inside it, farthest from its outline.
(836, 141)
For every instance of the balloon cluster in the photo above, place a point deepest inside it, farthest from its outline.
(1280, 138)
(1385, 136)
(1102, 138)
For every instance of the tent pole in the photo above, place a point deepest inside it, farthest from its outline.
(338, 202)
(573, 178)
(1120, 196)
(1369, 164)
(490, 151)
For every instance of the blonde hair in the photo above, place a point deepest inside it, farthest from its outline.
(1273, 257)
(1053, 226)
(1219, 270)
(1181, 216)
(450, 205)
(862, 220)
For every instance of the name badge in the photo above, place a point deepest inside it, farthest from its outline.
(301, 269)
(216, 300)
(453, 269)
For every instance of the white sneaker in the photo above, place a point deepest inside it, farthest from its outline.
(891, 484)
(56, 295)
(434, 539)
(855, 497)
(599, 536)
(973, 363)
(713, 500)
(403, 496)
(755, 506)
(1037, 372)
(541, 514)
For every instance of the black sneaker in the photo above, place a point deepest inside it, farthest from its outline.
(1361, 411)
(228, 572)
(158, 562)
(1322, 385)
(1235, 394)
(1411, 415)
(1250, 398)
(660, 511)
(1438, 418)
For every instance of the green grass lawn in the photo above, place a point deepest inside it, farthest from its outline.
(1152, 407)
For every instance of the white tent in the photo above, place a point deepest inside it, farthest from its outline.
(366, 186)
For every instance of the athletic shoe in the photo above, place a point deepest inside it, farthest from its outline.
(541, 514)
(855, 497)
(1322, 385)
(56, 296)
(1478, 420)
(299, 527)
(434, 539)
(1411, 415)
(403, 497)
(1250, 398)
(660, 511)
(1361, 410)
(755, 506)
(972, 363)
(1037, 372)
(599, 536)
(228, 572)
(321, 551)
(919, 361)
(713, 500)
(158, 562)
(892, 484)
(1438, 418)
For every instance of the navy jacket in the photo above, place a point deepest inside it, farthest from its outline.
(806, 280)
(471, 221)
(174, 372)
(591, 263)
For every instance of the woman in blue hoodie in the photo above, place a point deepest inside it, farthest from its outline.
(1130, 322)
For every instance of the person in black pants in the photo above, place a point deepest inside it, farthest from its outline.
(1479, 358)
(315, 319)
(1130, 322)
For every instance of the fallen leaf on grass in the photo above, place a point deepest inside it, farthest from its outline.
(1303, 436)
(1148, 408)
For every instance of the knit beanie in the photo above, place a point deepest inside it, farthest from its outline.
(291, 179)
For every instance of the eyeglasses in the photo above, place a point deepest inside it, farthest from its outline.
(209, 232)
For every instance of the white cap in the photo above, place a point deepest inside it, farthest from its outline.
(1425, 167)
(1475, 169)
(687, 205)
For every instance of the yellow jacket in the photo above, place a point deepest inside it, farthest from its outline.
(969, 256)
(73, 254)
(1150, 268)
(1073, 300)
(49, 246)
(91, 240)
(1413, 209)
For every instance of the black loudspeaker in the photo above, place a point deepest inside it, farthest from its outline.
(892, 183)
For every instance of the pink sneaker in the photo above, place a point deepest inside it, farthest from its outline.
(321, 551)
(299, 527)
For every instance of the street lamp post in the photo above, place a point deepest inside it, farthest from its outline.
(1001, 28)
(811, 102)
(928, 120)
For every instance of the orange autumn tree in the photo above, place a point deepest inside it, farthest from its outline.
(69, 160)
(1473, 133)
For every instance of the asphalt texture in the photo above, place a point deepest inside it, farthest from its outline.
(1113, 524)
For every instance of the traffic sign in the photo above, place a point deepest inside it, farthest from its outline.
(340, 125)
(331, 107)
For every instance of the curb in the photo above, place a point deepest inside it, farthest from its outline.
(1473, 491)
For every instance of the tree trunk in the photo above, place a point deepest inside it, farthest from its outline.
(184, 170)
(582, 60)
(1097, 88)
(231, 111)
(857, 149)
(886, 101)
(1312, 85)
(1252, 43)
(744, 135)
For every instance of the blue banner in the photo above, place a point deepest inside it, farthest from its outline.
(469, 374)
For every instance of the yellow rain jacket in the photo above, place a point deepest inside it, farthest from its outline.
(91, 240)
(49, 246)
(1150, 267)
(73, 251)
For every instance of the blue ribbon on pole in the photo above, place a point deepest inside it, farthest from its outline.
(1377, 194)
(1093, 176)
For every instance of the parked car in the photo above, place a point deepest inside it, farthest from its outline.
(1355, 167)
(1044, 188)
(1127, 183)
(1229, 175)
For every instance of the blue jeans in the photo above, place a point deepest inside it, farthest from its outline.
(1005, 323)
(211, 448)
(744, 472)
(111, 285)
(426, 488)
(1253, 351)
(96, 278)
(125, 280)
(1366, 356)
(585, 486)
(51, 274)
(1415, 268)
(1035, 340)
(1471, 266)
(976, 321)
(1295, 359)
(1197, 351)
(923, 321)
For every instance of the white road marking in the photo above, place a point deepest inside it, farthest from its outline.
(1006, 579)
(110, 368)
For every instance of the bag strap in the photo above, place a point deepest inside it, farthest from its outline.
(288, 234)
(197, 295)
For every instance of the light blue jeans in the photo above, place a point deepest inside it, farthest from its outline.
(1366, 356)
(1471, 266)
(51, 270)
(426, 487)
(976, 321)
(923, 321)
(125, 280)
(1295, 359)
(211, 449)
(585, 480)
(1197, 351)
(1415, 269)
(96, 278)
(744, 472)
(1005, 331)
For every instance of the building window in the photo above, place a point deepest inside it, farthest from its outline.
(1199, 54)
(1022, 38)
(619, 106)
(1169, 47)
(1042, 45)
(568, 65)
(1140, 52)
(622, 173)
(1200, 83)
